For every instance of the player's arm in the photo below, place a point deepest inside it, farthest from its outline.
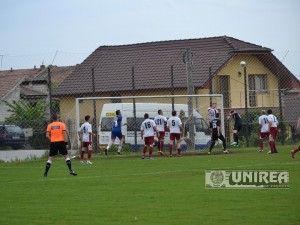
(48, 135)
(156, 130)
(142, 134)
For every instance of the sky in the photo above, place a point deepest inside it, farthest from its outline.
(65, 32)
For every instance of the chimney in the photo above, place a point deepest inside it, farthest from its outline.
(34, 67)
(43, 66)
(11, 69)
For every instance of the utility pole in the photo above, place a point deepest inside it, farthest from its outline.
(190, 91)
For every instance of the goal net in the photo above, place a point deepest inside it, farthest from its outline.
(191, 109)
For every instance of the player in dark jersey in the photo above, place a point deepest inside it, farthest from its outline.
(237, 127)
(215, 128)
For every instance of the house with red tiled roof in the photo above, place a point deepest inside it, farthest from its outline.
(216, 69)
(29, 84)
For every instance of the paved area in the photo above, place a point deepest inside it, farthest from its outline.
(13, 155)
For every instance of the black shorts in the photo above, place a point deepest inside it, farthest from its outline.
(237, 126)
(56, 147)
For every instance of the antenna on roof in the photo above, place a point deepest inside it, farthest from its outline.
(54, 57)
(285, 55)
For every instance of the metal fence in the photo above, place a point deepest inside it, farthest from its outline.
(248, 88)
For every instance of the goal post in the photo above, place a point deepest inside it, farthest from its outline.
(192, 110)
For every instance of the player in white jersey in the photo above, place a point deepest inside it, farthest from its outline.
(148, 129)
(212, 111)
(160, 122)
(273, 130)
(264, 129)
(176, 129)
(85, 136)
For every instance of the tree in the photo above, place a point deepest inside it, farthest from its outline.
(24, 112)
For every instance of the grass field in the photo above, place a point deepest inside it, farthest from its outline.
(128, 190)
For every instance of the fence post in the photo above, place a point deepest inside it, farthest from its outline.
(95, 111)
(190, 122)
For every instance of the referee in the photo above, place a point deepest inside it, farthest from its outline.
(57, 134)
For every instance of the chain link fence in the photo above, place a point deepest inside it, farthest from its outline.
(262, 82)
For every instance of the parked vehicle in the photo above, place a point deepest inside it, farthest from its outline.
(201, 129)
(12, 135)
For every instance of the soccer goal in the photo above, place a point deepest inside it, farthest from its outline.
(191, 109)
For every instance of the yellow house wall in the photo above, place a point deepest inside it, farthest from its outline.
(237, 91)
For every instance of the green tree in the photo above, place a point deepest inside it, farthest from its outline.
(24, 112)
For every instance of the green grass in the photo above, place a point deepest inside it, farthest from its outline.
(128, 190)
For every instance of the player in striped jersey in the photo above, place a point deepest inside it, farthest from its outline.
(160, 122)
(264, 128)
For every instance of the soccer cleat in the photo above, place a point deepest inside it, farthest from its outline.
(89, 162)
(234, 143)
(179, 155)
(105, 151)
(225, 151)
(160, 152)
(170, 155)
(119, 153)
(143, 157)
(293, 154)
(209, 153)
(149, 157)
(45, 174)
(260, 150)
(72, 172)
(81, 162)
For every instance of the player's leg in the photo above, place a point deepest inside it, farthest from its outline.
(146, 144)
(178, 145)
(90, 152)
(64, 152)
(222, 138)
(53, 151)
(271, 142)
(121, 138)
(112, 141)
(172, 138)
(82, 152)
(293, 152)
(235, 137)
(150, 142)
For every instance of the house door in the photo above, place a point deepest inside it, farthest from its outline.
(224, 89)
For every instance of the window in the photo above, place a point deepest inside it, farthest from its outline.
(258, 83)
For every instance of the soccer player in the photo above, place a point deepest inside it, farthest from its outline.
(148, 128)
(215, 130)
(85, 136)
(293, 152)
(176, 130)
(57, 134)
(116, 131)
(212, 111)
(160, 122)
(273, 130)
(236, 128)
(264, 128)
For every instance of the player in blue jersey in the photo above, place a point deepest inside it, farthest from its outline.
(116, 131)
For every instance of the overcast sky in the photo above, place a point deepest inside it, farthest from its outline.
(65, 32)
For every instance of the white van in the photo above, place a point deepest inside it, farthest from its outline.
(201, 128)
